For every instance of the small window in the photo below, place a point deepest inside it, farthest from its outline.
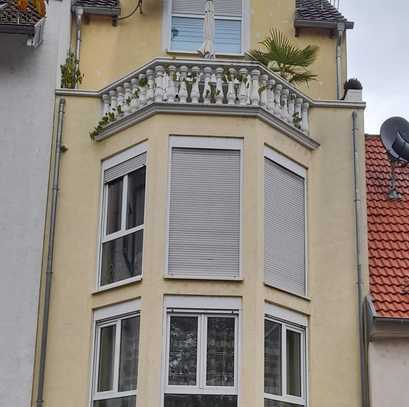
(284, 364)
(123, 221)
(201, 360)
(186, 26)
(116, 361)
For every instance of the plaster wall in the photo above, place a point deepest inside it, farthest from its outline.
(108, 52)
(389, 370)
(331, 308)
(27, 81)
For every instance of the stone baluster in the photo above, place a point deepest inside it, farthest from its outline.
(298, 116)
(291, 107)
(183, 94)
(231, 92)
(277, 104)
(195, 93)
(127, 98)
(159, 88)
(171, 88)
(270, 94)
(304, 121)
(113, 101)
(285, 115)
(255, 86)
(244, 85)
(219, 86)
(263, 90)
(120, 99)
(142, 89)
(135, 95)
(150, 92)
(207, 91)
(105, 105)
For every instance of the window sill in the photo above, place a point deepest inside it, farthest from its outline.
(303, 297)
(203, 278)
(118, 284)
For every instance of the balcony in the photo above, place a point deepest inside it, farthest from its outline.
(201, 86)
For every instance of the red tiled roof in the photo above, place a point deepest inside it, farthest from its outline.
(388, 233)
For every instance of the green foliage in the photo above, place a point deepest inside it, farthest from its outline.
(284, 58)
(70, 73)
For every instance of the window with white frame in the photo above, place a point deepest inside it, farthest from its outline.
(186, 25)
(123, 209)
(284, 362)
(116, 353)
(201, 358)
(284, 223)
(204, 208)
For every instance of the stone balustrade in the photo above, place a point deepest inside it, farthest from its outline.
(206, 82)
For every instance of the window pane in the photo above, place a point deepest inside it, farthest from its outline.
(135, 205)
(183, 351)
(198, 400)
(275, 403)
(228, 36)
(122, 258)
(128, 362)
(119, 402)
(114, 206)
(106, 358)
(220, 351)
(272, 358)
(293, 363)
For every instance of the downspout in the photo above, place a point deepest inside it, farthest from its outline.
(340, 34)
(79, 11)
(59, 148)
(359, 281)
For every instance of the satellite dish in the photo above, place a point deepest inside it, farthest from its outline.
(395, 138)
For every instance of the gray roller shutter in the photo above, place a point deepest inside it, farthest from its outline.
(125, 167)
(284, 228)
(229, 8)
(204, 213)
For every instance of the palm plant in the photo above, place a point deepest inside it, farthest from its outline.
(284, 58)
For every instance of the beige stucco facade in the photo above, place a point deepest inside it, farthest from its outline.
(333, 372)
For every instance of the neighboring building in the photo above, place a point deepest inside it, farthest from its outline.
(31, 49)
(388, 304)
(205, 237)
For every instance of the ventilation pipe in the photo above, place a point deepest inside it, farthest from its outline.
(79, 12)
(340, 34)
(59, 148)
(359, 281)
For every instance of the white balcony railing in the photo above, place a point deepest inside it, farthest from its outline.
(203, 83)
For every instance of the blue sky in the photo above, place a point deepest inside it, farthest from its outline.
(378, 55)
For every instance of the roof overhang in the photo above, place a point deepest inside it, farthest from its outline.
(17, 29)
(102, 11)
(379, 327)
(328, 25)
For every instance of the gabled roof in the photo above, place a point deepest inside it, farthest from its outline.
(388, 234)
(319, 14)
(104, 7)
(14, 21)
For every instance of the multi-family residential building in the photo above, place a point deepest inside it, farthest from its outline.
(388, 303)
(31, 49)
(205, 249)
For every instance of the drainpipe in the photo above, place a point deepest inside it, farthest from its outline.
(59, 148)
(79, 11)
(359, 281)
(340, 34)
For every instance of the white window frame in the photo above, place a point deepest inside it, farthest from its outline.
(202, 308)
(167, 24)
(294, 322)
(103, 237)
(209, 143)
(301, 171)
(103, 317)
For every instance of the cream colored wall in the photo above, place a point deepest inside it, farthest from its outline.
(108, 53)
(333, 335)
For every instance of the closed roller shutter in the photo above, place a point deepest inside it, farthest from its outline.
(228, 8)
(204, 213)
(284, 228)
(125, 167)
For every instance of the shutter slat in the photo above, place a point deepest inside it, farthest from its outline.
(204, 213)
(125, 167)
(284, 228)
(228, 8)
